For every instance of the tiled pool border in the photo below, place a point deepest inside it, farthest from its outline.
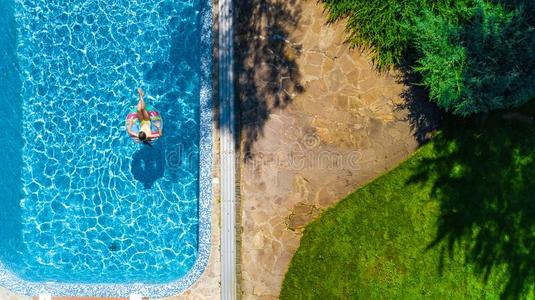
(19, 286)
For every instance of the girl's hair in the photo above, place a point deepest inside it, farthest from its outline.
(142, 136)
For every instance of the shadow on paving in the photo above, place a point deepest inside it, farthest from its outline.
(267, 73)
(268, 76)
(423, 116)
(483, 175)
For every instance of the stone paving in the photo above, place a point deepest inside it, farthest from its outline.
(310, 136)
(8, 295)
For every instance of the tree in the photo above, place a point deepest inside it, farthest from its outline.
(483, 65)
(474, 55)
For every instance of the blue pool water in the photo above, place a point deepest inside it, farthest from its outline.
(80, 202)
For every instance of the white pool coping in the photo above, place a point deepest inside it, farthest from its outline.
(23, 287)
(228, 151)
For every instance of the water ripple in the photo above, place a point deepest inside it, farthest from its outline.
(98, 208)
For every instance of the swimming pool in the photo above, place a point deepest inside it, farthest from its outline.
(84, 210)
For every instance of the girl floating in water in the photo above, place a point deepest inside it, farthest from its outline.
(146, 118)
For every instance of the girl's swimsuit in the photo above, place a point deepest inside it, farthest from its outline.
(145, 127)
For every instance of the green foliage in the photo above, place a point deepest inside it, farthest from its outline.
(474, 55)
(443, 59)
(378, 25)
(384, 26)
(484, 65)
(455, 221)
(381, 25)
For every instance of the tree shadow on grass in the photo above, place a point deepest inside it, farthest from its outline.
(483, 175)
(268, 75)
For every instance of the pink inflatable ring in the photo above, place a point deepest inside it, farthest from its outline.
(155, 123)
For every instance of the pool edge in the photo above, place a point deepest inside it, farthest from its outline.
(11, 282)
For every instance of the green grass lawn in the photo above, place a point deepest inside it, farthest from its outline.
(454, 221)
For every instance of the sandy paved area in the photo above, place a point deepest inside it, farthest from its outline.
(317, 122)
